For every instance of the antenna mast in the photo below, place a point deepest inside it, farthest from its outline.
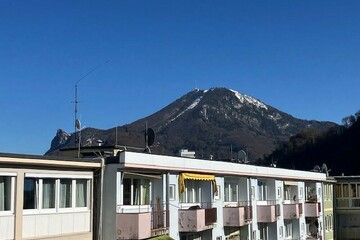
(77, 122)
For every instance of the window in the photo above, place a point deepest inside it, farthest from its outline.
(345, 190)
(48, 196)
(231, 192)
(352, 190)
(262, 188)
(81, 193)
(136, 191)
(338, 190)
(171, 192)
(288, 229)
(53, 193)
(5, 193)
(31, 190)
(192, 193)
(65, 193)
(263, 228)
(279, 192)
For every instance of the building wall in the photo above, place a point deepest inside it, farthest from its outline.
(40, 222)
(248, 179)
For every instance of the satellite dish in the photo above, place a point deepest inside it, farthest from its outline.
(77, 124)
(242, 156)
(149, 137)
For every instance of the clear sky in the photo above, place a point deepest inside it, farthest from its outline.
(301, 57)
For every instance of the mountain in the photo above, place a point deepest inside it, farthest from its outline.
(217, 122)
(337, 148)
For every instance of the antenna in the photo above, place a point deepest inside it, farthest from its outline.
(77, 122)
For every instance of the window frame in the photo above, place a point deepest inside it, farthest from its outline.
(228, 188)
(195, 187)
(12, 177)
(39, 209)
(141, 191)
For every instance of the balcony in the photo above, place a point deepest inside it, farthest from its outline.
(313, 237)
(142, 225)
(312, 209)
(291, 211)
(133, 225)
(197, 219)
(237, 216)
(268, 213)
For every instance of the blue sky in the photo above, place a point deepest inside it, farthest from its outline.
(301, 57)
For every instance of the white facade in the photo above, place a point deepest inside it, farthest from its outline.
(44, 198)
(148, 195)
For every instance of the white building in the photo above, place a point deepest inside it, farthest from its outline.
(147, 195)
(46, 197)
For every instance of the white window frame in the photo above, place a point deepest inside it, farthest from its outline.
(196, 194)
(228, 194)
(141, 187)
(288, 230)
(39, 198)
(12, 193)
(172, 192)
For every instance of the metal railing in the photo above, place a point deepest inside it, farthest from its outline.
(159, 219)
(248, 213)
(210, 216)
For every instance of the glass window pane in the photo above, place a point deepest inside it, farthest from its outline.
(145, 197)
(136, 192)
(345, 190)
(127, 191)
(5, 193)
(352, 190)
(227, 195)
(30, 193)
(81, 192)
(48, 198)
(338, 190)
(65, 193)
(234, 197)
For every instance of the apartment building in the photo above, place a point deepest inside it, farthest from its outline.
(347, 207)
(134, 195)
(46, 197)
(148, 196)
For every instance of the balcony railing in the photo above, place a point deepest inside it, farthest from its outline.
(197, 218)
(160, 219)
(237, 214)
(248, 213)
(312, 209)
(138, 222)
(210, 216)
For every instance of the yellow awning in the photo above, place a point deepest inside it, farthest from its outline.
(290, 183)
(195, 176)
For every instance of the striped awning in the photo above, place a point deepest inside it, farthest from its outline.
(195, 176)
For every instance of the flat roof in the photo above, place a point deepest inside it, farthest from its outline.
(180, 164)
(54, 161)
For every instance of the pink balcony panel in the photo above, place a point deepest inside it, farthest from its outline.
(133, 225)
(234, 216)
(291, 211)
(266, 213)
(196, 220)
(312, 209)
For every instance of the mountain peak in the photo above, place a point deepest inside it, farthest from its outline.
(210, 122)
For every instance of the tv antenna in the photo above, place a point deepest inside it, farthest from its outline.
(76, 101)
